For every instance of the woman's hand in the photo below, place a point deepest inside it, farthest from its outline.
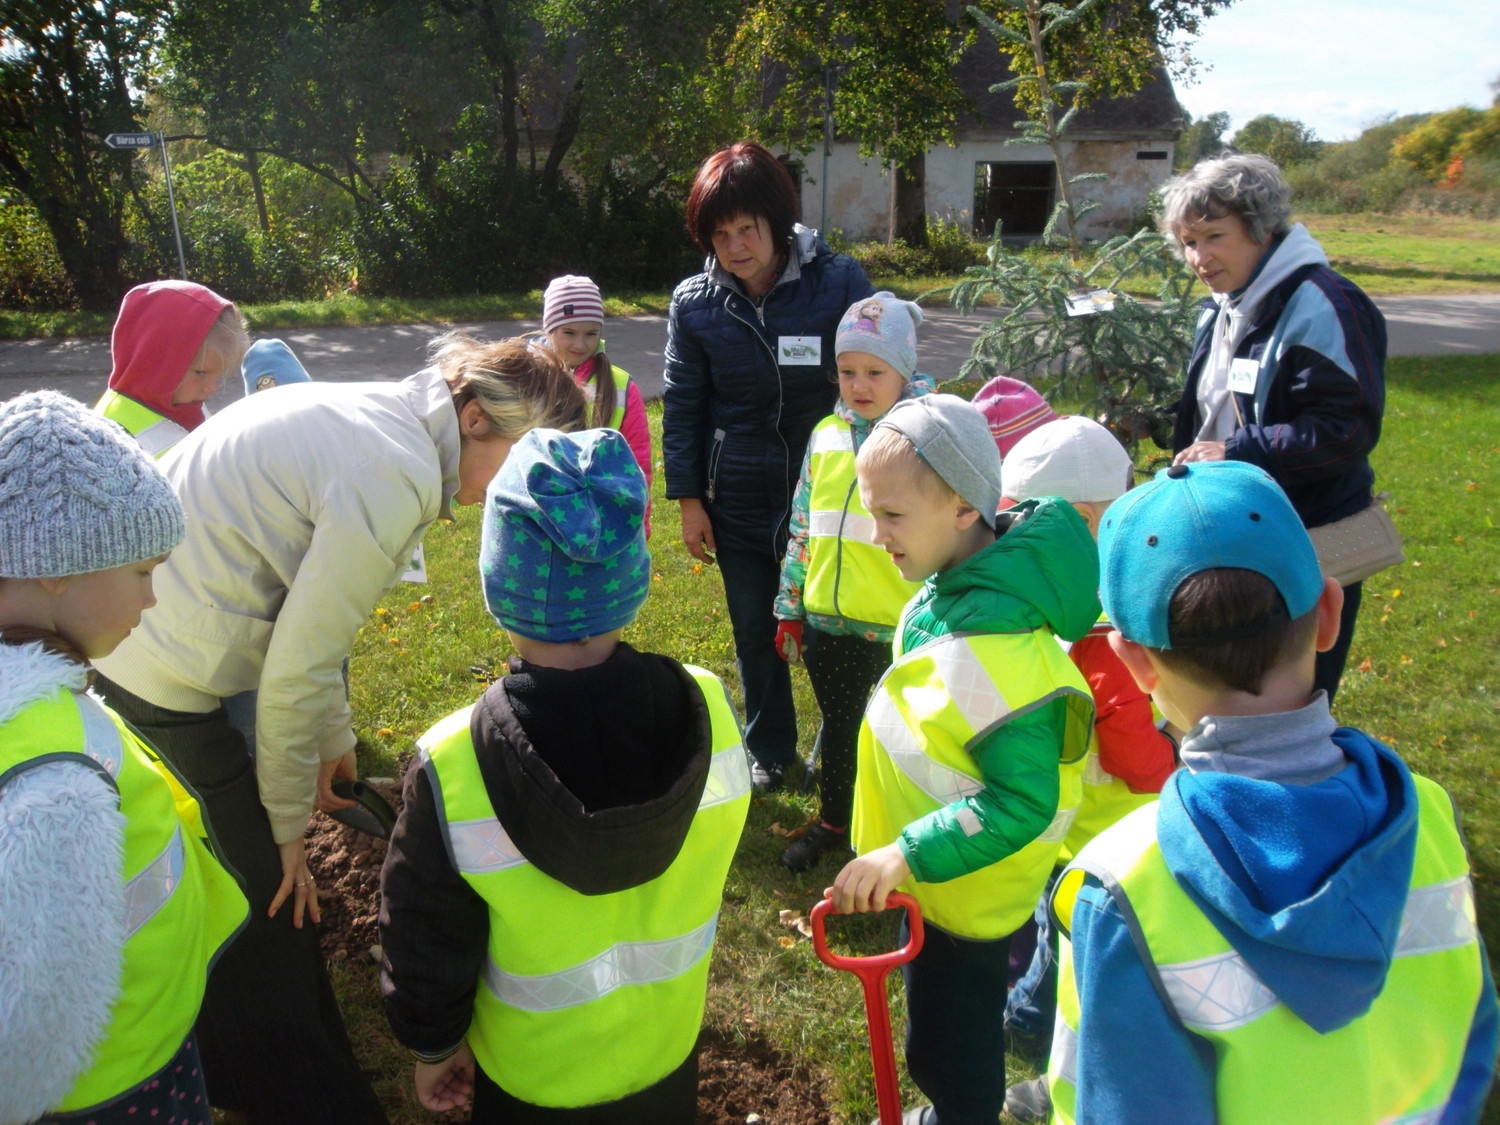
(1201, 451)
(865, 883)
(697, 530)
(448, 1084)
(328, 773)
(297, 880)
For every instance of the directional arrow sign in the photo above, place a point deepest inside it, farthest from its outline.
(131, 140)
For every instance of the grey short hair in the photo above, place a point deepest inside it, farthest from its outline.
(1246, 185)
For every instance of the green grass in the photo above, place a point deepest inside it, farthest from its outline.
(1411, 254)
(1422, 675)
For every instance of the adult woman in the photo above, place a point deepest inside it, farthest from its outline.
(749, 371)
(1288, 366)
(304, 504)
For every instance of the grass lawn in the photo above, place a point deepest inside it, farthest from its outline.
(1422, 675)
(1411, 254)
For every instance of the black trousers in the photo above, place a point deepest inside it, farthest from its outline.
(844, 671)
(672, 1101)
(270, 1033)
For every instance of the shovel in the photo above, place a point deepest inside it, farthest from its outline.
(872, 972)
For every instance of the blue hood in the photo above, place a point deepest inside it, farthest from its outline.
(1307, 882)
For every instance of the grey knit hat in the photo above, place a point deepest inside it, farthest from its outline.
(77, 494)
(954, 438)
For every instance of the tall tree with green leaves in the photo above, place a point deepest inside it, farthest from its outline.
(70, 74)
(1285, 141)
(893, 88)
(1202, 138)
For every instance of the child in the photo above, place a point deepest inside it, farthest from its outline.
(572, 318)
(845, 588)
(112, 904)
(271, 363)
(566, 839)
(172, 342)
(1013, 409)
(1080, 461)
(1288, 935)
(960, 799)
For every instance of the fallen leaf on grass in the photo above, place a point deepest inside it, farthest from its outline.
(385, 732)
(1365, 665)
(775, 829)
(796, 920)
(786, 942)
(1442, 643)
(1406, 659)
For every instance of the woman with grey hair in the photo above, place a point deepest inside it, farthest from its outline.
(1288, 365)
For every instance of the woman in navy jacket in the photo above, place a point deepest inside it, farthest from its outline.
(749, 371)
(1288, 365)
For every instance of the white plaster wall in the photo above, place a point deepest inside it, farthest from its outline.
(859, 191)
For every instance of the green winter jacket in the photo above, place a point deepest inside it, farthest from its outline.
(1042, 571)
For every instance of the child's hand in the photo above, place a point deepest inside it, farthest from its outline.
(865, 883)
(789, 641)
(448, 1084)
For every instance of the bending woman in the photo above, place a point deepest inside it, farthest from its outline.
(303, 506)
(1288, 366)
(749, 371)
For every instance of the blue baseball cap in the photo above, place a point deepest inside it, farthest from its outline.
(270, 363)
(1207, 515)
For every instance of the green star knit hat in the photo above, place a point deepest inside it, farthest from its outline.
(77, 494)
(562, 551)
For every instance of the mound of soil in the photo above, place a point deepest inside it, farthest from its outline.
(738, 1081)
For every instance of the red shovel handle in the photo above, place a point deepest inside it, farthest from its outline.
(872, 972)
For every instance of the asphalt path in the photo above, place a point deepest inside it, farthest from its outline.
(1448, 325)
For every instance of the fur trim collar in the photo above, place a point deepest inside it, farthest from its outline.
(30, 673)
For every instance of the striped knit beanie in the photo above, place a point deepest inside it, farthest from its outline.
(77, 493)
(1013, 409)
(571, 298)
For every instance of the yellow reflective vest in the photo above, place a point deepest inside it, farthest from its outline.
(847, 575)
(1396, 1063)
(932, 705)
(585, 999)
(181, 905)
(155, 432)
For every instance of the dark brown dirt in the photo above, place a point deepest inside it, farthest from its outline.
(739, 1080)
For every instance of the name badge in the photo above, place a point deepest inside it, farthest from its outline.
(799, 351)
(1242, 376)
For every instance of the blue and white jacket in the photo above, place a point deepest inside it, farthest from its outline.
(739, 398)
(1319, 344)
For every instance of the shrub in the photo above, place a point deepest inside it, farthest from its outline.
(950, 250)
(31, 274)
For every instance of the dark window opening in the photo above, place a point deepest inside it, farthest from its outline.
(1017, 196)
(795, 168)
(1153, 154)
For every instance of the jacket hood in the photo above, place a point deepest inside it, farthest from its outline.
(1043, 570)
(596, 792)
(1307, 882)
(30, 673)
(1296, 249)
(161, 326)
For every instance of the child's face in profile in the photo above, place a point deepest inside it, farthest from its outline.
(868, 384)
(575, 342)
(922, 526)
(97, 610)
(201, 382)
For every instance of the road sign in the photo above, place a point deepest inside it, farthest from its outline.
(131, 140)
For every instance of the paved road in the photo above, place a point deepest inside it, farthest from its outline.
(80, 366)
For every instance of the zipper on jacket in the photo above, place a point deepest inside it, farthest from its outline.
(714, 454)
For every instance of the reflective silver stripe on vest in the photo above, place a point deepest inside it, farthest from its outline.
(1221, 993)
(1094, 772)
(832, 439)
(1423, 1117)
(1437, 917)
(1064, 1058)
(1061, 825)
(101, 738)
(149, 890)
(975, 695)
(626, 963)
(728, 777)
(943, 785)
(855, 526)
(160, 436)
(483, 847)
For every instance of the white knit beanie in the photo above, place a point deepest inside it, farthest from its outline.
(571, 298)
(77, 493)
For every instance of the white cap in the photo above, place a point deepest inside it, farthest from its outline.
(1075, 458)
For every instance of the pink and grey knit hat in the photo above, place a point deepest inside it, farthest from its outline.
(1013, 409)
(571, 298)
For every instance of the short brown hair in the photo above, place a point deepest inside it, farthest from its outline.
(743, 179)
(1228, 603)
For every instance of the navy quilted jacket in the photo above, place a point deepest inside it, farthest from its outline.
(737, 414)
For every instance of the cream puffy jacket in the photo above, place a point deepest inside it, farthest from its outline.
(303, 504)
